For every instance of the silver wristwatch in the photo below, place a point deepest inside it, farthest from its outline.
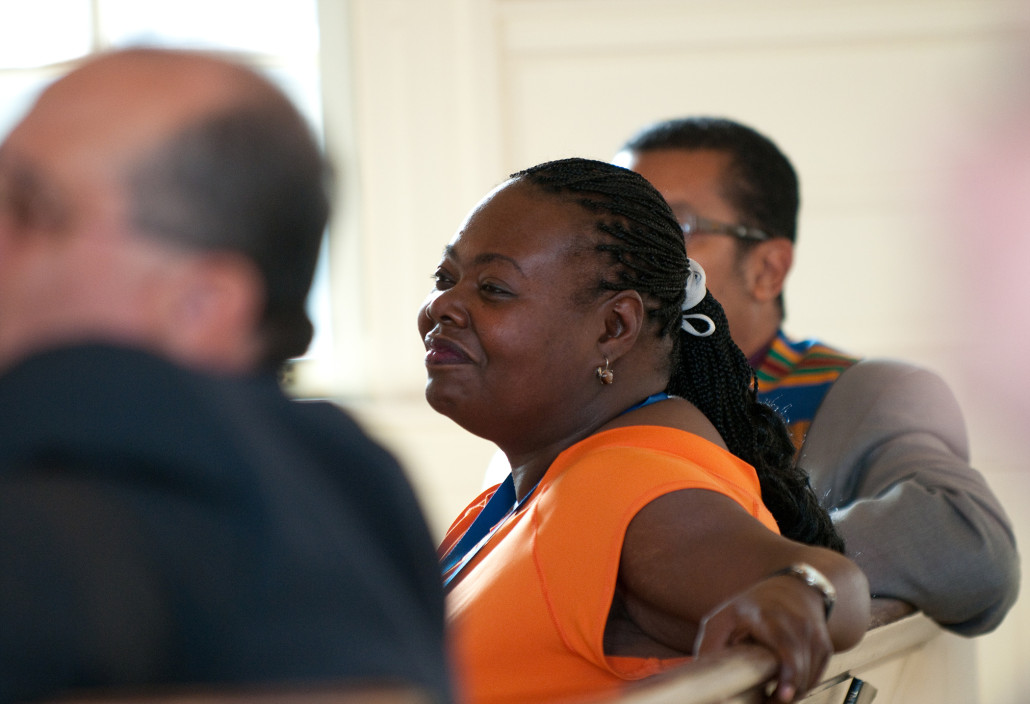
(813, 578)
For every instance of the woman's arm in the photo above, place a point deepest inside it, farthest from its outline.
(698, 573)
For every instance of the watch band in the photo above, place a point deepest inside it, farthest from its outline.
(813, 578)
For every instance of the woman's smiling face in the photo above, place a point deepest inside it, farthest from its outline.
(511, 343)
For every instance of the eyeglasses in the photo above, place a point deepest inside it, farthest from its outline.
(693, 224)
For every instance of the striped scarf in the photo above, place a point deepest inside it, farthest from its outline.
(793, 378)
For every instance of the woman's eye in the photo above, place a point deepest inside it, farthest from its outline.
(443, 279)
(494, 289)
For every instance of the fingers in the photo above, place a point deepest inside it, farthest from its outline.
(799, 666)
(775, 615)
(802, 648)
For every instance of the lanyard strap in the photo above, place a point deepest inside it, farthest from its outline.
(497, 507)
(500, 505)
(653, 398)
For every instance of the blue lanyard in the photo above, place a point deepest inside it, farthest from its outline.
(653, 398)
(502, 504)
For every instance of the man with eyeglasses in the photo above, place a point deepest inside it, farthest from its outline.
(884, 441)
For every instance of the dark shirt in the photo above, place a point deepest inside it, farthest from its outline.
(160, 526)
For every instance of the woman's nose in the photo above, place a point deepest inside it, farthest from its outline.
(445, 307)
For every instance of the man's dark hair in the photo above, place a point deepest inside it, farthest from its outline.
(250, 180)
(762, 184)
(641, 248)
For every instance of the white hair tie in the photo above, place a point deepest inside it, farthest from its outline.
(695, 291)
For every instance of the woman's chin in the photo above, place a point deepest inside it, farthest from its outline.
(445, 402)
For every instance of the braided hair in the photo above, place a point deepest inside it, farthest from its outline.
(644, 250)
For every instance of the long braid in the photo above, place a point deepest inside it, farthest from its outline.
(752, 430)
(644, 244)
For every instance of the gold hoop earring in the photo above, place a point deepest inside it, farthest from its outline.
(606, 375)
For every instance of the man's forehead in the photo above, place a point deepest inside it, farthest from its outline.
(693, 181)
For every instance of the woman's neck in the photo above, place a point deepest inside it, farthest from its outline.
(528, 467)
(529, 464)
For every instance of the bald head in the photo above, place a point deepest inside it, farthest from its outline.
(124, 104)
(193, 154)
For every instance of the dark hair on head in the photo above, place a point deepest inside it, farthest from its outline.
(762, 184)
(643, 248)
(250, 180)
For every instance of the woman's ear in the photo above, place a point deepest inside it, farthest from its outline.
(624, 319)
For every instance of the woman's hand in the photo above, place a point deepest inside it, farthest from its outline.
(786, 616)
(695, 575)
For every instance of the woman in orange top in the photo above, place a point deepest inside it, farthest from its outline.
(641, 522)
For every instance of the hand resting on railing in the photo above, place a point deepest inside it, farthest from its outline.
(741, 674)
(786, 616)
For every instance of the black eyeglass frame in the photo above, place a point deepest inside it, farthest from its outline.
(694, 224)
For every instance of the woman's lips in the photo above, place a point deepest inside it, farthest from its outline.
(440, 351)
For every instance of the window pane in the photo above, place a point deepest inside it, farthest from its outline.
(259, 26)
(17, 92)
(43, 32)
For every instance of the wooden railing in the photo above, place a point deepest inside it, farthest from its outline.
(740, 675)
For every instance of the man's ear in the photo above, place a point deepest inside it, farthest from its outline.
(768, 265)
(624, 318)
(212, 313)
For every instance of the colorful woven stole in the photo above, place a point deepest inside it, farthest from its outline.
(795, 376)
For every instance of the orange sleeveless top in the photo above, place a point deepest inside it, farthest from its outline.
(527, 619)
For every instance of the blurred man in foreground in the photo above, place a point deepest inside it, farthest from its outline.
(167, 516)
